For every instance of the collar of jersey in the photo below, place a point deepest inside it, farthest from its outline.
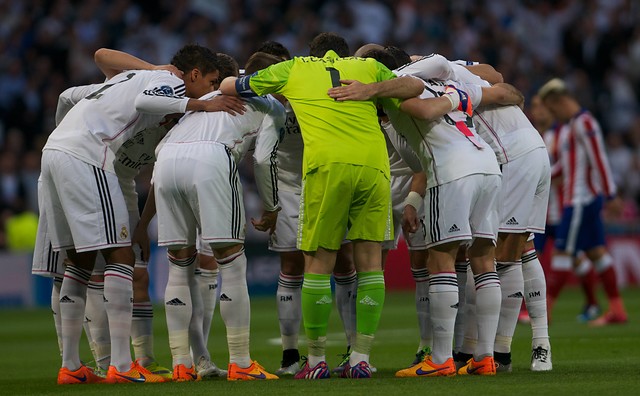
(331, 54)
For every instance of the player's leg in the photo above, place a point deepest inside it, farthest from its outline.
(535, 295)
(289, 292)
(462, 267)
(97, 320)
(418, 260)
(289, 306)
(484, 225)
(565, 251)
(346, 289)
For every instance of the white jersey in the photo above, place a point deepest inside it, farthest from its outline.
(505, 128)
(260, 127)
(135, 153)
(290, 152)
(95, 128)
(445, 152)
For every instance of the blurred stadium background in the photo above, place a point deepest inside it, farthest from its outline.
(47, 46)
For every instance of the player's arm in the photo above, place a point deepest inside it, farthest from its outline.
(413, 202)
(141, 234)
(430, 67)
(70, 97)
(266, 168)
(486, 72)
(272, 79)
(402, 88)
(501, 94)
(433, 108)
(113, 62)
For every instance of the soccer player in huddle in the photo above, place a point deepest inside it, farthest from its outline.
(345, 186)
(84, 204)
(454, 216)
(197, 187)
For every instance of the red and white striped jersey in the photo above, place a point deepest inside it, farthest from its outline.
(583, 161)
(554, 210)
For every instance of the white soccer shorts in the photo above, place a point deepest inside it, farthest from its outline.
(84, 205)
(197, 187)
(524, 195)
(285, 237)
(462, 209)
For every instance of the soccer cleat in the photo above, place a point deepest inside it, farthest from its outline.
(502, 361)
(589, 313)
(360, 370)
(503, 368)
(343, 363)
(291, 369)
(541, 358)
(289, 365)
(427, 368)
(421, 355)
(460, 359)
(486, 366)
(157, 369)
(183, 374)
(136, 374)
(207, 369)
(319, 371)
(83, 375)
(609, 318)
(253, 372)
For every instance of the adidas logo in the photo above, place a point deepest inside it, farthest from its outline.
(324, 300)
(455, 306)
(66, 299)
(512, 221)
(515, 295)
(454, 228)
(369, 301)
(175, 302)
(224, 297)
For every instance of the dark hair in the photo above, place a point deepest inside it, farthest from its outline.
(383, 57)
(227, 66)
(401, 57)
(194, 56)
(259, 61)
(328, 41)
(274, 48)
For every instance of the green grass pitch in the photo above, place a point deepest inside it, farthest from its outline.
(602, 361)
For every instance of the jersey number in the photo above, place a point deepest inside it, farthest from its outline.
(100, 92)
(335, 76)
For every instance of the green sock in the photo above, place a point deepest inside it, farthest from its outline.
(316, 304)
(369, 302)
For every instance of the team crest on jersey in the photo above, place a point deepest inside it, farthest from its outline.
(164, 90)
(124, 233)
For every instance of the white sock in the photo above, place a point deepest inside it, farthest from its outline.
(208, 286)
(142, 332)
(235, 307)
(118, 301)
(55, 309)
(512, 290)
(535, 296)
(98, 324)
(421, 277)
(458, 331)
(470, 322)
(196, 325)
(345, 297)
(72, 302)
(487, 312)
(179, 308)
(288, 300)
(443, 302)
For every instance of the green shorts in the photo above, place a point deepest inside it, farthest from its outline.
(337, 198)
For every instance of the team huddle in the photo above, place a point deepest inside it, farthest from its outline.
(348, 152)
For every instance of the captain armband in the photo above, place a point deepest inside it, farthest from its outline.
(243, 88)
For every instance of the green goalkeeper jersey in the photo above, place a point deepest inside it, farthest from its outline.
(333, 132)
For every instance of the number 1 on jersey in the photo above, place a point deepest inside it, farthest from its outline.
(335, 76)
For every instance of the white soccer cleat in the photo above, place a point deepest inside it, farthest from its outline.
(289, 370)
(207, 369)
(541, 358)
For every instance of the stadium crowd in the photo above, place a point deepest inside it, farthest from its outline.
(47, 46)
